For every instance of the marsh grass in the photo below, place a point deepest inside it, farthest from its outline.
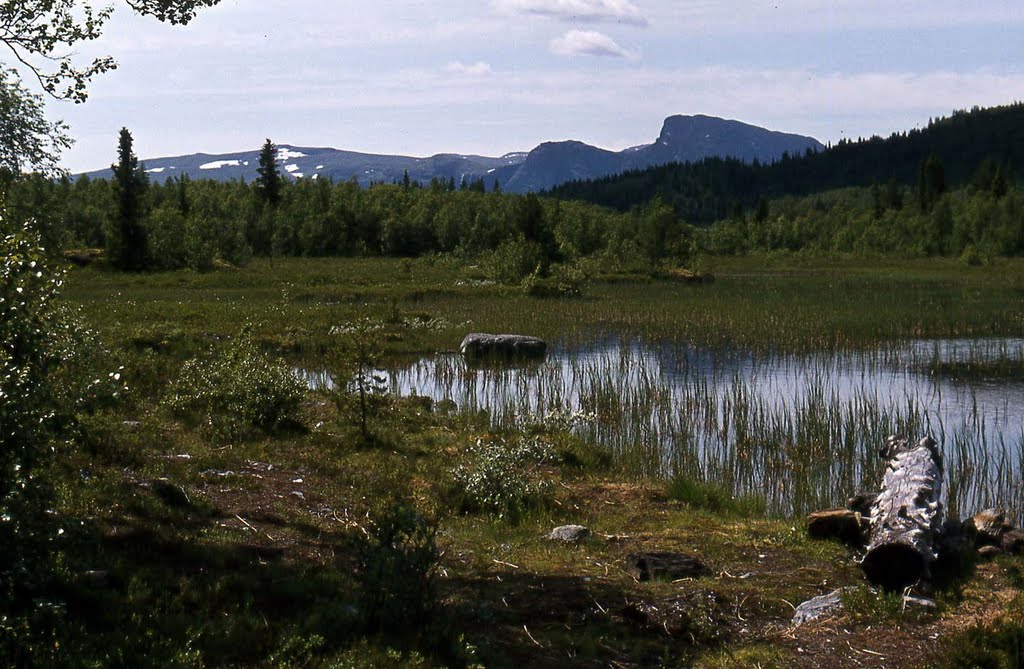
(193, 586)
(714, 498)
(801, 432)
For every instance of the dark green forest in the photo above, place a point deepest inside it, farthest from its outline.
(981, 147)
(948, 190)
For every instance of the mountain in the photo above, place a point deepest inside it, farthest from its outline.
(983, 147)
(322, 163)
(682, 139)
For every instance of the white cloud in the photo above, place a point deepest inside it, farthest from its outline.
(589, 43)
(477, 69)
(586, 11)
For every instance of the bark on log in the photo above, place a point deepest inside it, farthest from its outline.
(906, 516)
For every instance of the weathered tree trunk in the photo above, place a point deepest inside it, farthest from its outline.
(906, 516)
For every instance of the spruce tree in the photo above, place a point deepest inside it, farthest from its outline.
(268, 183)
(126, 241)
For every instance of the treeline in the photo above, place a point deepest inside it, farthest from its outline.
(714, 189)
(187, 223)
(973, 223)
(194, 223)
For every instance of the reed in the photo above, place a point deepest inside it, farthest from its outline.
(801, 431)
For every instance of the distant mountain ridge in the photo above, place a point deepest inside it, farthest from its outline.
(977, 147)
(682, 139)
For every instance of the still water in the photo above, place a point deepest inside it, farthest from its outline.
(802, 430)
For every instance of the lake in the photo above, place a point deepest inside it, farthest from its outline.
(803, 430)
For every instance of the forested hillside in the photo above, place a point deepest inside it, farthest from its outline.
(946, 190)
(985, 144)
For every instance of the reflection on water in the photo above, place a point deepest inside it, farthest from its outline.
(801, 429)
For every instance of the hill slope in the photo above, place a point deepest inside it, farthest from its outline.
(707, 190)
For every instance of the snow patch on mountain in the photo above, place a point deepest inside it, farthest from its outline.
(284, 154)
(217, 164)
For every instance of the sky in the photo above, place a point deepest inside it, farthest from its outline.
(490, 77)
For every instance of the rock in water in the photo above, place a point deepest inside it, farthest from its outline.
(481, 346)
(569, 533)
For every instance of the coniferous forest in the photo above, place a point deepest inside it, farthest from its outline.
(949, 189)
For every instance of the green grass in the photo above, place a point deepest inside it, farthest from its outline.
(713, 497)
(250, 574)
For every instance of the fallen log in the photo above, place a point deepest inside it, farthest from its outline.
(906, 516)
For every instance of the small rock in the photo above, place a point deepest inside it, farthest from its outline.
(862, 503)
(171, 494)
(989, 552)
(988, 527)
(299, 495)
(665, 565)
(569, 533)
(1013, 542)
(842, 524)
(819, 607)
(919, 602)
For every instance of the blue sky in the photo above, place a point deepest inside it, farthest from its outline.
(494, 76)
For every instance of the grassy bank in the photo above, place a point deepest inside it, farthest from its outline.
(193, 540)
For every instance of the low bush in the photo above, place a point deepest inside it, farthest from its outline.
(241, 389)
(398, 559)
(505, 478)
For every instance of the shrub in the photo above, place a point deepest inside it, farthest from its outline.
(505, 478)
(240, 389)
(565, 281)
(37, 341)
(397, 564)
(996, 645)
(512, 261)
(354, 360)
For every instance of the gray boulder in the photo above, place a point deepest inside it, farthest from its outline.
(569, 533)
(481, 346)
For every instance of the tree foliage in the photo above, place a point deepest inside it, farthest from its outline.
(42, 37)
(28, 142)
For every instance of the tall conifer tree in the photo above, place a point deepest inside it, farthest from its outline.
(268, 183)
(126, 245)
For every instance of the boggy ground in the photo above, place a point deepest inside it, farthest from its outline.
(184, 547)
(246, 553)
